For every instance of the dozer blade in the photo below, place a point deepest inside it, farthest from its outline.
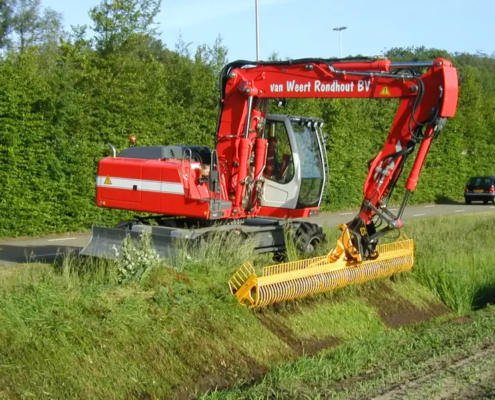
(299, 279)
(107, 242)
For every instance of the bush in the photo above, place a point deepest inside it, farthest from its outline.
(137, 260)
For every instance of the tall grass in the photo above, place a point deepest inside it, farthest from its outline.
(455, 258)
(218, 253)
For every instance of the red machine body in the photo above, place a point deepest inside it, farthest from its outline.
(151, 186)
(168, 187)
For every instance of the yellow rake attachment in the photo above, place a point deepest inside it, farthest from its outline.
(299, 279)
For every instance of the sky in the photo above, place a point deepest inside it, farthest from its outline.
(303, 28)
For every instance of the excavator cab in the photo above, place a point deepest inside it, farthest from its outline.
(295, 173)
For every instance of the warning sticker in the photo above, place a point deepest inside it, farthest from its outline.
(385, 91)
(107, 181)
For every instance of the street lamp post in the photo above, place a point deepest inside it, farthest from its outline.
(257, 31)
(339, 29)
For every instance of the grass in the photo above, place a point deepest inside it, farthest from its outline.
(363, 368)
(455, 259)
(74, 332)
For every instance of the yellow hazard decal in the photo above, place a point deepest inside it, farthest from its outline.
(385, 91)
(107, 181)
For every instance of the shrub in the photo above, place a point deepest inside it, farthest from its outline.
(137, 259)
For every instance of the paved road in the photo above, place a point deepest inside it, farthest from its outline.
(47, 249)
(411, 212)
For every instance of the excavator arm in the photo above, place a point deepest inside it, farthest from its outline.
(426, 101)
(428, 95)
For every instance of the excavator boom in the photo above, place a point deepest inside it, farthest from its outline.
(427, 100)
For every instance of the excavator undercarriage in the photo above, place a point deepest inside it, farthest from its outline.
(267, 235)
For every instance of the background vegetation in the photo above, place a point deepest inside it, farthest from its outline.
(65, 95)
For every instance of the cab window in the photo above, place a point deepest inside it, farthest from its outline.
(279, 164)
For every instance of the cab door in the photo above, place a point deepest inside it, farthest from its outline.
(282, 171)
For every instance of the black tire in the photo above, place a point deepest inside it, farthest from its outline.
(308, 237)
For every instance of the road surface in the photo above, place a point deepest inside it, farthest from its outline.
(46, 249)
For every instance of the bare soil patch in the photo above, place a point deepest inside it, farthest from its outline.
(300, 346)
(395, 311)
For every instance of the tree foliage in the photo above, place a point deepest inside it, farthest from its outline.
(64, 97)
(116, 21)
(27, 25)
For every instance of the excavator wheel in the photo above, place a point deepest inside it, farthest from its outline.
(308, 237)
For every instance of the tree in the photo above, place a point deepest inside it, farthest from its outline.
(5, 22)
(214, 57)
(115, 21)
(31, 27)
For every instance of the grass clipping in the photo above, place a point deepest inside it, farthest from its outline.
(153, 328)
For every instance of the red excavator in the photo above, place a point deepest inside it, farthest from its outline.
(267, 169)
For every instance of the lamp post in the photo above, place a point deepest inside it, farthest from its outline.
(257, 31)
(339, 29)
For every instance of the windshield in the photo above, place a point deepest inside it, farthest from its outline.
(308, 149)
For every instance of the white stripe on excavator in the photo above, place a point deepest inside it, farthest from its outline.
(141, 185)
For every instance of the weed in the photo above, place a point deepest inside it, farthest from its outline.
(217, 253)
(138, 258)
(291, 249)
